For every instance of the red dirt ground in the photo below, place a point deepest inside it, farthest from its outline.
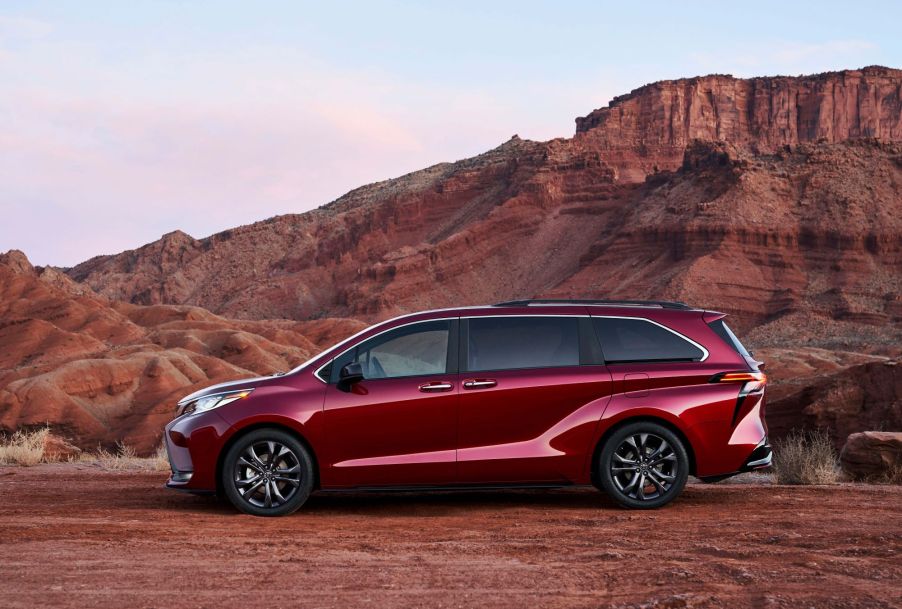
(73, 535)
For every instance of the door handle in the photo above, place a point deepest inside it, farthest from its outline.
(479, 383)
(435, 386)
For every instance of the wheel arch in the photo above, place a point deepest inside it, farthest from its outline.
(265, 425)
(690, 451)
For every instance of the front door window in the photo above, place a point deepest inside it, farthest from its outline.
(415, 350)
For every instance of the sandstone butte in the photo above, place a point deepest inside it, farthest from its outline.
(776, 200)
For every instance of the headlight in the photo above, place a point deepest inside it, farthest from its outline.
(209, 402)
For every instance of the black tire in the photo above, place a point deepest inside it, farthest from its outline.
(643, 474)
(267, 486)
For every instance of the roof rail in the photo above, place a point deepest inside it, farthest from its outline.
(664, 304)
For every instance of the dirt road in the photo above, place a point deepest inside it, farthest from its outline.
(76, 536)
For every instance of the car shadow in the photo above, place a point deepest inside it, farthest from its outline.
(415, 503)
(426, 503)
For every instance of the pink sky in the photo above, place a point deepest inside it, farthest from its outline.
(121, 122)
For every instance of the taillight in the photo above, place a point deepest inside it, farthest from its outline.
(739, 377)
(750, 383)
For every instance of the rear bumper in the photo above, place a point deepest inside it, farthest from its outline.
(760, 458)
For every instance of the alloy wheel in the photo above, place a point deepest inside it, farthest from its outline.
(644, 466)
(267, 474)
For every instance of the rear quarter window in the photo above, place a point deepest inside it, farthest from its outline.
(626, 340)
(721, 328)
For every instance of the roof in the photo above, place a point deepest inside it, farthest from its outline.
(662, 304)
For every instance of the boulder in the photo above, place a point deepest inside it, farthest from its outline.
(873, 454)
(59, 449)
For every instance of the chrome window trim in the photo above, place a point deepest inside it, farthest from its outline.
(300, 367)
(614, 305)
(420, 321)
(526, 315)
(660, 325)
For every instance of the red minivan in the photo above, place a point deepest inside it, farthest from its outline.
(630, 396)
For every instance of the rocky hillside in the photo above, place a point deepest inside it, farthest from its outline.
(764, 197)
(778, 200)
(101, 372)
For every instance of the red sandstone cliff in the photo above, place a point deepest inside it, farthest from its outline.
(712, 190)
(778, 200)
(652, 125)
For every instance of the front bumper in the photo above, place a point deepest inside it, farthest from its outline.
(178, 477)
(193, 444)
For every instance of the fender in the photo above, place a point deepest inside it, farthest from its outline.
(299, 410)
(611, 418)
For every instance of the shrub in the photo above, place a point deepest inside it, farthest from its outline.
(23, 447)
(28, 448)
(123, 458)
(805, 457)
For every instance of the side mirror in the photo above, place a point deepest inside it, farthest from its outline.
(350, 374)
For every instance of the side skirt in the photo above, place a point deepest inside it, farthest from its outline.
(449, 488)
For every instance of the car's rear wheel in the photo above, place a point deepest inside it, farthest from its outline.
(268, 472)
(643, 465)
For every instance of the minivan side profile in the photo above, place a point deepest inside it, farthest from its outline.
(629, 396)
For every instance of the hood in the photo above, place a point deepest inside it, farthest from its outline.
(228, 386)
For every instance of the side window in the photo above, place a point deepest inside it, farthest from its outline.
(506, 343)
(639, 340)
(414, 350)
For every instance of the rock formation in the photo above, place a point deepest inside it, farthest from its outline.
(861, 397)
(873, 455)
(651, 126)
(762, 197)
(777, 200)
(102, 372)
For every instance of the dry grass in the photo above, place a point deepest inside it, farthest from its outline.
(26, 448)
(123, 458)
(23, 447)
(893, 475)
(805, 457)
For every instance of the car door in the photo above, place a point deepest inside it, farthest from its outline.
(398, 426)
(533, 389)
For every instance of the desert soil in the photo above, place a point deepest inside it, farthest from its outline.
(72, 535)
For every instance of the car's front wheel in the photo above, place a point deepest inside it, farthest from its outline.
(268, 472)
(643, 465)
